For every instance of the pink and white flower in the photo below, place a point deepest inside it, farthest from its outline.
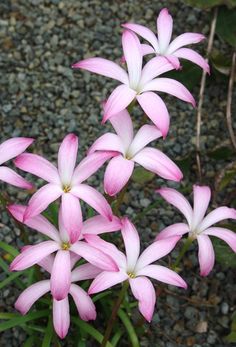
(198, 226)
(61, 309)
(138, 83)
(59, 242)
(161, 45)
(135, 268)
(9, 149)
(132, 149)
(66, 182)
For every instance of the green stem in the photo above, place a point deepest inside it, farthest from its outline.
(114, 314)
(119, 201)
(182, 252)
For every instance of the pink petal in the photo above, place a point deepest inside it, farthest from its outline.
(146, 33)
(9, 176)
(170, 86)
(67, 158)
(93, 198)
(224, 234)
(83, 302)
(123, 126)
(38, 223)
(156, 110)
(94, 256)
(31, 294)
(201, 199)
(177, 199)
(154, 67)
(162, 274)
(133, 57)
(164, 29)
(99, 225)
(107, 142)
(189, 54)
(155, 251)
(206, 255)
(89, 165)
(177, 229)
(33, 255)
(183, 40)
(71, 216)
(146, 49)
(174, 61)
(107, 279)
(216, 216)
(84, 272)
(47, 262)
(61, 275)
(103, 67)
(108, 248)
(41, 199)
(119, 99)
(61, 317)
(117, 174)
(154, 160)
(11, 148)
(145, 135)
(38, 166)
(144, 292)
(132, 243)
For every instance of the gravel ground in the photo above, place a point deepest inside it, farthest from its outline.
(42, 97)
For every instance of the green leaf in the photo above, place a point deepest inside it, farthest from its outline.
(8, 315)
(101, 295)
(210, 3)
(10, 278)
(221, 153)
(22, 319)
(8, 249)
(29, 342)
(231, 337)
(142, 176)
(51, 213)
(224, 255)
(226, 25)
(129, 327)
(190, 74)
(48, 334)
(116, 338)
(185, 164)
(220, 62)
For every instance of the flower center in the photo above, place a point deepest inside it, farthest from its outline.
(66, 188)
(131, 274)
(65, 246)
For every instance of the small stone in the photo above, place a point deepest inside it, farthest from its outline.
(224, 308)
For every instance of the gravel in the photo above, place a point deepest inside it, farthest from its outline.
(42, 97)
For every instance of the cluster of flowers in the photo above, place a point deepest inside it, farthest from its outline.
(75, 239)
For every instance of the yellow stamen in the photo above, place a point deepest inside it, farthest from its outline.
(65, 246)
(131, 275)
(66, 188)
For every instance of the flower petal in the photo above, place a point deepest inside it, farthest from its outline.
(133, 56)
(146, 134)
(12, 147)
(83, 302)
(206, 255)
(144, 292)
(47, 262)
(158, 249)
(123, 126)
(144, 32)
(105, 280)
(201, 199)
(38, 223)
(170, 86)
(93, 198)
(61, 317)
(41, 199)
(38, 166)
(71, 213)
(33, 255)
(89, 165)
(84, 272)
(174, 61)
(119, 99)
(146, 49)
(216, 216)
(9, 176)
(31, 294)
(189, 54)
(61, 275)
(177, 199)
(224, 234)
(99, 225)
(117, 174)
(67, 158)
(132, 243)
(183, 40)
(162, 274)
(164, 29)
(94, 256)
(177, 229)
(103, 67)
(107, 142)
(154, 160)
(156, 110)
